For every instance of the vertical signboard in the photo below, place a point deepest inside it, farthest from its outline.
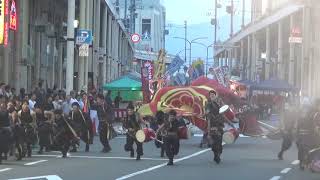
(6, 24)
(146, 78)
(13, 15)
(2, 21)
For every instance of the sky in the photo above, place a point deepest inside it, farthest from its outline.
(198, 11)
(198, 14)
(191, 10)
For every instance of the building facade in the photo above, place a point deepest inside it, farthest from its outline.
(149, 17)
(281, 42)
(37, 50)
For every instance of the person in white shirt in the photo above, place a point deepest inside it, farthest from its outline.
(57, 103)
(32, 102)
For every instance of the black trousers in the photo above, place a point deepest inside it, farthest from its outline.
(159, 145)
(103, 134)
(129, 145)
(172, 146)
(286, 141)
(216, 144)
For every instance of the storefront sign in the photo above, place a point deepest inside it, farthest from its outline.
(2, 14)
(13, 16)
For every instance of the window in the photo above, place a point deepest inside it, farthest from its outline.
(146, 29)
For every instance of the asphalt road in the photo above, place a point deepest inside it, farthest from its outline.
(247, 159)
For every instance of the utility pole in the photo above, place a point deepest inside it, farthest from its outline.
(125, 14)
(185, 42)
(132, 15)
(231, 19)
(70, 45)
(243, 12)
(215, 28)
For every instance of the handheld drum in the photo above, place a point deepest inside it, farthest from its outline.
(228, 113)
(140, 136)
(230, 136)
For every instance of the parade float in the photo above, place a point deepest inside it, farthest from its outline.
(189, 101)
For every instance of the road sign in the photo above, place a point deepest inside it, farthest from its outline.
(297, 40)
(84, 50)
(135, 38)
(84, 37)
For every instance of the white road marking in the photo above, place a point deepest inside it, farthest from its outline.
(285, 171)
(275, 178)
(161, 165)
(44, 155)
(120, 137)
(268, 125)
(5, 169)
(100, 157)
(48, 177)
(198, 135)
(36, 162)
(295, 162)
(243, 136)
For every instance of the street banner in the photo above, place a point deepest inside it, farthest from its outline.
(175, 65)
(219, 75)
(146, 80)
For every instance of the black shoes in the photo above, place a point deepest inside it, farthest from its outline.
(170, 163)
(280, 156)
(138, 158)
(132, 153)
(217, 159)
(87, 148)
(106, 150)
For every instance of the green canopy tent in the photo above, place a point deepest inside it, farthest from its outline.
(130, 89)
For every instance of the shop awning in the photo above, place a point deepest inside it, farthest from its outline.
(263, 23)
(123, 84)
(273, 85)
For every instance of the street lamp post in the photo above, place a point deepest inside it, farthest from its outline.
(207, 57)
(190, 44)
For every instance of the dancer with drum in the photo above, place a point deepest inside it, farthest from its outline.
(132, 124)
(169, 130)
(215, 124)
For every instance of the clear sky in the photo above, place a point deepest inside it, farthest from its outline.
(199, 11)
(195, 11)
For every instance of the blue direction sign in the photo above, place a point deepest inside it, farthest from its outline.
(84, 37)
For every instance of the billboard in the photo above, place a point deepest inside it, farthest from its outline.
(2, 15)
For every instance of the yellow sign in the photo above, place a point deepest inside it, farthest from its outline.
(2, 15)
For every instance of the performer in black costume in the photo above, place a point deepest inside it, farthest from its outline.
(29, 125)
(5, 131)
(160, 117)
(64, 133)
(307, 138)
(44, 123)
(215, 124)
(170, 130)
(82, 125)
(132, 124)
(106, 116)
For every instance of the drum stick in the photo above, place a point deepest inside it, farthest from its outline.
(153, 138)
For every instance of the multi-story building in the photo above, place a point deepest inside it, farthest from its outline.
(37, 49)
(148, 21)
(282, 42)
